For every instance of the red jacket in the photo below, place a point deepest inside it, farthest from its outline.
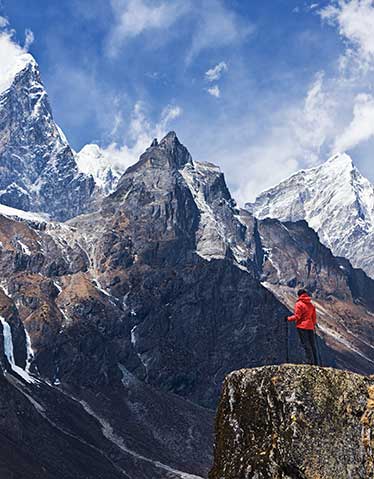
(305, 313)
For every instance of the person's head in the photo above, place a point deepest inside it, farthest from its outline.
(301, 292)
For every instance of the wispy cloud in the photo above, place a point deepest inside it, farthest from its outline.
(361, 128)
(134, 17)
(216, 26)
(29, 39)
(210, 23)
(215, 73)
(355, 22)
(314, 122)
(214, 91)
(3, 22)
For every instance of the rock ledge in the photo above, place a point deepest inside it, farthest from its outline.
(294, 422)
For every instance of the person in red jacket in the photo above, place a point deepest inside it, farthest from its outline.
(306, 320)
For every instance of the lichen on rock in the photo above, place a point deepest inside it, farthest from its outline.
(294, 422)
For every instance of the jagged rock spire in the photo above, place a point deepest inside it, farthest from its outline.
(178, 154)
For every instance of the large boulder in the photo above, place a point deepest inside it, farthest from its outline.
(294, 422)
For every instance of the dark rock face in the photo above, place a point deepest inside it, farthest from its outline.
(132, 432)
(38, 171)
(181, 334)
(294, 422)
(190, 316)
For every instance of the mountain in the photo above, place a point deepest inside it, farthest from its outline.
(174, 283)
(335, 200)
(38, 169)
(125, 321)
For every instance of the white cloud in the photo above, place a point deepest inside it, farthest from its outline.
(134, 17)
(216, 26)
(361, 127)
(355, 22)
(140, 135)
(265, 166)
(215, 73)
(314, 123)
(29, 39)
(295, 137)
(3, 22)
(169, 114)
(214, 91)
(13, 59)
(210, 23)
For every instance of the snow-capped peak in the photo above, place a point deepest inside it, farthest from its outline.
(39, 172)
(336, 201)
(9, 70)
(339, 161)
(92, 160)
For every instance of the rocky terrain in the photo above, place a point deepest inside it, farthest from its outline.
(130, 431)
(335, 200)
(294, 422)
(148, 303)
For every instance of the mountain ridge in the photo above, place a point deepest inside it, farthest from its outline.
(335, 200)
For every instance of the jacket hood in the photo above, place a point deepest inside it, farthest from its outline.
(305, 298)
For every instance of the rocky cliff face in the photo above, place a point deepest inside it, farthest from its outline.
(335, 200)
(131, 431)
(294, 422)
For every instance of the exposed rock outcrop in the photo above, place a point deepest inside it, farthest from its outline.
(294, 422)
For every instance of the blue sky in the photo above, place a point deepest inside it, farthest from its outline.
(260, 87)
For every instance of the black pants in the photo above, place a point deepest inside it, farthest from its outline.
(308, 340)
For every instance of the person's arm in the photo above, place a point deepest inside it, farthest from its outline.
(314, 316)
(297, 314)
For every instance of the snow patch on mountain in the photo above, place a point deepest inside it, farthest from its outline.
(23, 215)
(92, 160)
(336, 201)
(8, 350)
